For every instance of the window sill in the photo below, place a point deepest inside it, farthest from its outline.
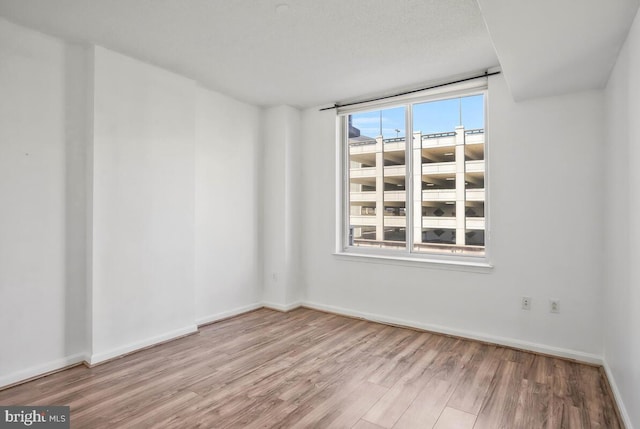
(454, 265)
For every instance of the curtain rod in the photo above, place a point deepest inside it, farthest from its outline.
(337, 106)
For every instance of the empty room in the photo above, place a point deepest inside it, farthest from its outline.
(319, 214)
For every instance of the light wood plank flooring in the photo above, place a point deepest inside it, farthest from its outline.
(308, 369)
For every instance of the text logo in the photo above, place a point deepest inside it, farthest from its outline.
(45, 417)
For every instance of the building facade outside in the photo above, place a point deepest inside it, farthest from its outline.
(448, 191)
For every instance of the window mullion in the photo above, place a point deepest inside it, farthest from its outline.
(408, 205)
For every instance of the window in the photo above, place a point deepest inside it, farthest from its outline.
(422, 193)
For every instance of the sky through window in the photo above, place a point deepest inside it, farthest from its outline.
(428, 118)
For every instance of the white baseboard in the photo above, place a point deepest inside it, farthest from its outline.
(510, 342)
(282, 307)
(626, 420)
(40, 370)
(97, 358)
(226, 314)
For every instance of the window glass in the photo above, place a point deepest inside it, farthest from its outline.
(449, 170)
(377, 179)
(422, 192)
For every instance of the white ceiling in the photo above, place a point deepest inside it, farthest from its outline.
(317, 52)
(321, 51)
(550, 47)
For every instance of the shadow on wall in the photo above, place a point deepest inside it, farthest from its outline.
(76, 115)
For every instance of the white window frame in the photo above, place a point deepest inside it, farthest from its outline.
(407, 255)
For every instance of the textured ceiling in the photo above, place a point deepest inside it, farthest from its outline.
(550, 47)
(313, 52)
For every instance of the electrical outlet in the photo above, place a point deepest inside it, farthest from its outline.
(526, 303)
(554, 306)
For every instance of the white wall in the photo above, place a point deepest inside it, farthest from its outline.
(622, 229)
(41, 194)
(544, 153)
(227, 211)
(125, 220)
(143, 205)
(281, 207)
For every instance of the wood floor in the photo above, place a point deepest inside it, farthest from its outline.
(308, 369)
